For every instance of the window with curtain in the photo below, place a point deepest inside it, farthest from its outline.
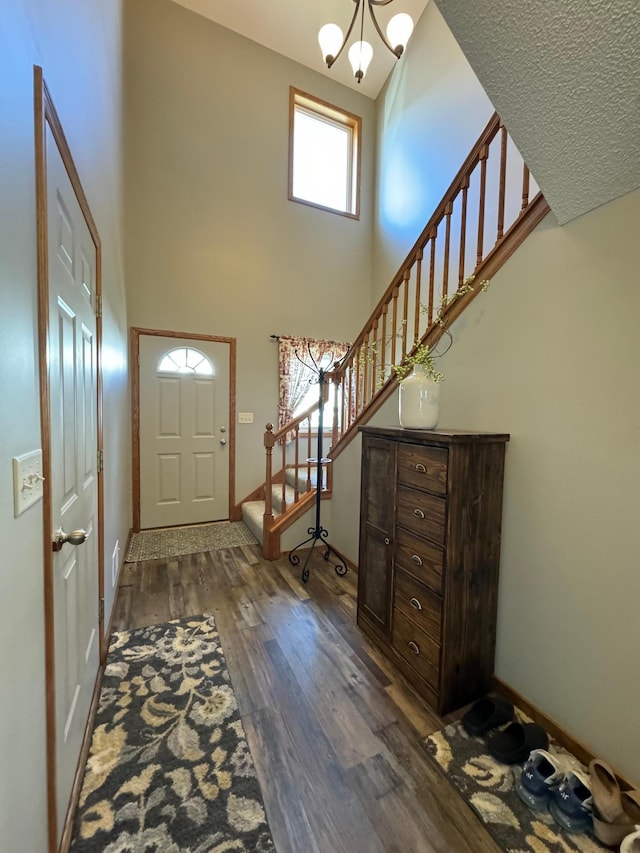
(298, 390)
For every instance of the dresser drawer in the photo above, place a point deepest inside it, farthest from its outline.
(422, 513)
(424, 467)
(418, 649)
(420, 558)
(418, 603)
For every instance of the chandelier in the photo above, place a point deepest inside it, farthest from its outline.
(360, 53)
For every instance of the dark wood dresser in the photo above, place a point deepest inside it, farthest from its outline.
(430, 516)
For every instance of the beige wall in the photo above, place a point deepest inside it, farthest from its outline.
(213, 244)
(429, 114)
(550, 354)
(78, 45)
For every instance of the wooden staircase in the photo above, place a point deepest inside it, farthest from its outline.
(484, 216)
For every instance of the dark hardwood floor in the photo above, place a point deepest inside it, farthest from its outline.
(334, 731)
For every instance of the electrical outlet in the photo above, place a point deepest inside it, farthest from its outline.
(245, 417)
(27, 481)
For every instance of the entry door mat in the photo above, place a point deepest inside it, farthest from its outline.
(169, 767)
(193, 539)
(488, 786)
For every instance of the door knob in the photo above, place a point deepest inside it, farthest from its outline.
(223, 441)
(76, 537)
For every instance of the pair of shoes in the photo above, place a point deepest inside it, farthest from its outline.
(615, 812)
(511, 745)
(559, 783)
(631, 843)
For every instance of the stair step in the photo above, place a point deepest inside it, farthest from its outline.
(302, 477)
(253, 517)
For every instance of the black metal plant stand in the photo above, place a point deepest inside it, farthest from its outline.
(317, 533)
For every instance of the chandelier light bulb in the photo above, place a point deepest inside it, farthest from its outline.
(330, 39)
(399, 30)
(360, 55)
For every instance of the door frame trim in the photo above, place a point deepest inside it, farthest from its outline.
(45, 115)
(135, 333)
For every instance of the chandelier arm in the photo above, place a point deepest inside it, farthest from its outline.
(346, 38)
(397, 52)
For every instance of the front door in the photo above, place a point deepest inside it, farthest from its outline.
(72, 352)
(184, 431)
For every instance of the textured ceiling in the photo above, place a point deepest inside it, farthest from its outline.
(290, 27)
(565, 77)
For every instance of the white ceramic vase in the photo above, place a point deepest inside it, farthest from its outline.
(419, 400)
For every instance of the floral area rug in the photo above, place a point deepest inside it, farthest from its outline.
(169, 769)
(193, 539)
(489, 788)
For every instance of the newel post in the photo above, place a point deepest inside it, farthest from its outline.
(269, 441)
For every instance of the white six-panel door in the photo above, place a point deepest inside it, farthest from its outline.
(73, 401)
(184, 431)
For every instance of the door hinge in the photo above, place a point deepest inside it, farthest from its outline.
(101, 610)
(100, 461)
(98, 306)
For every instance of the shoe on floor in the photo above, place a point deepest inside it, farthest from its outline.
(606, 791)
(486, 714)
(571, 802)
(541, 772)
(513, 744)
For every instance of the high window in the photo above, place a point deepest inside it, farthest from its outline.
(324, 155)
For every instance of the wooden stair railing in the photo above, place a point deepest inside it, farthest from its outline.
(289, 439)
(483, 217)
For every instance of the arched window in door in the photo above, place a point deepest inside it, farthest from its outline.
(186, 360)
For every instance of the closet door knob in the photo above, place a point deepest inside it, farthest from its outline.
(418, 512)
(387, 541)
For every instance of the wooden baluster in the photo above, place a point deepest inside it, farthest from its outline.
(365, 370)
(481, 203)
(269, 441)
(447, 247)
(525, 187)
(350, 402)
(296, 469)
(357, 383)
(283, 490)
(503, 181)
(405, 310)
(383, 348)
(394, 324)
(416, 324)
(336, 379)
(463, 230)
(432, 274)
(374, 358)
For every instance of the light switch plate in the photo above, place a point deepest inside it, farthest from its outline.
(27, 481)
(245, 417)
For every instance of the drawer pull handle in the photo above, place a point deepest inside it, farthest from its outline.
(415, 604)
(416, 559)
(387, 541)
(418, 512)
(420, 467)
(414, 647)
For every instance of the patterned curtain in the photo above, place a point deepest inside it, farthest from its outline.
(295, 375)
